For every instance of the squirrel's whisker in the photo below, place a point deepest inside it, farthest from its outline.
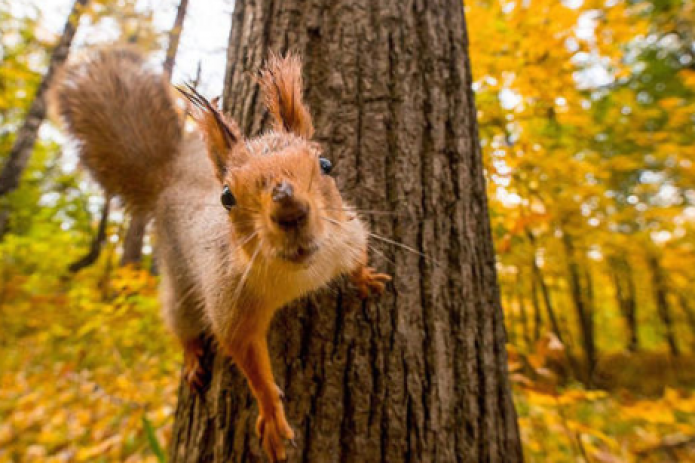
(404, 246)
(246, 241)
(224, 272)
(363, 211)
(194, 205)
(242, 281)
(392, 242)
(331, 220)
(247, 209)
(383, 256)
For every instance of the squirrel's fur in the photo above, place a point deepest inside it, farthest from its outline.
(285, 230)
(124, 117)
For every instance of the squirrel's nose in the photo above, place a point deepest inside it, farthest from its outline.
(282, 191)
(290, 213)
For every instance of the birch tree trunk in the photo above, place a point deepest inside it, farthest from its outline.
(419, 375)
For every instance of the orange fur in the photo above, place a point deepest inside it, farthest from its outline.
(125, 119)
(223, 271)
(281, 81)
(221, 134)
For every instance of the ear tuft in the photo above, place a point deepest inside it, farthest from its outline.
(281, 82)
(221, 133)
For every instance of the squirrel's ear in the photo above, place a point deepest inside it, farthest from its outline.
(281, 81)
(221, 134)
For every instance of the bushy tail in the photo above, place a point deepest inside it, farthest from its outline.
(125, 119)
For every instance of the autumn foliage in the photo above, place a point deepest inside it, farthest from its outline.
(585, 110)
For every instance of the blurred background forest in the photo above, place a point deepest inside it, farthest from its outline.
(586, 111)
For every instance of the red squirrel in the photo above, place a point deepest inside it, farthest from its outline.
(239, 236)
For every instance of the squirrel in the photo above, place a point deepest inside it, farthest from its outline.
(237, 237)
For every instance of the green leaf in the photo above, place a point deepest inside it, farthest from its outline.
(155, 446)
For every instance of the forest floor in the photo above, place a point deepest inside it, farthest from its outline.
(91, 375)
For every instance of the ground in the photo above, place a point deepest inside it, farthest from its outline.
(90, 374)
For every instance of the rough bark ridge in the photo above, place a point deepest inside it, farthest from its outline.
(421, 375)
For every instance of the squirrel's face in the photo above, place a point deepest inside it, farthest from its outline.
(282, 201)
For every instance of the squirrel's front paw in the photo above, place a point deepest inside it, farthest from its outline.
(367, 280)
(273, 429)
(194, 372)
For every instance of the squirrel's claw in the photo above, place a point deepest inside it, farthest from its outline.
(272, 431)
(194, 373)
(367, 280)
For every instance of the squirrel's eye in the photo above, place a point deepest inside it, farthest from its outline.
(326, 165)
(227, 198)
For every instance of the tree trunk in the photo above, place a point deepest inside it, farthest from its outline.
(23, 146)
(174, 37)
(132, 244)
(420, 375)
(662, 305)
(537, 275)
(689, 316)
(525, 331)
(626, 298)
(581, 307)
(507, 301)
(134, 238)
(550, 311)
(97, 242)
(537, 314)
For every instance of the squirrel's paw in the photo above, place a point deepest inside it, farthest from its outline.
(194, 373)
(367, 280)
(272, 430)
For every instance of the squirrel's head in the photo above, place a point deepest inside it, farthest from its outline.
(282, 201)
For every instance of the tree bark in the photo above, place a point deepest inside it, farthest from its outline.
(507, 301)
(581, 306)
(626, 298)
(420, 375)
(537, 314)
(134, 238)
(689, 316)
(23, 146)
(537, 275)
(174, 38)
(525, 331)
(661, 299)
(97, 242)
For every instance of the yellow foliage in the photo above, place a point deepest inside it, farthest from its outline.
(75, 386)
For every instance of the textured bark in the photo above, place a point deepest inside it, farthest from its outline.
(421, 374)
(23, 146)
(97, 242)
